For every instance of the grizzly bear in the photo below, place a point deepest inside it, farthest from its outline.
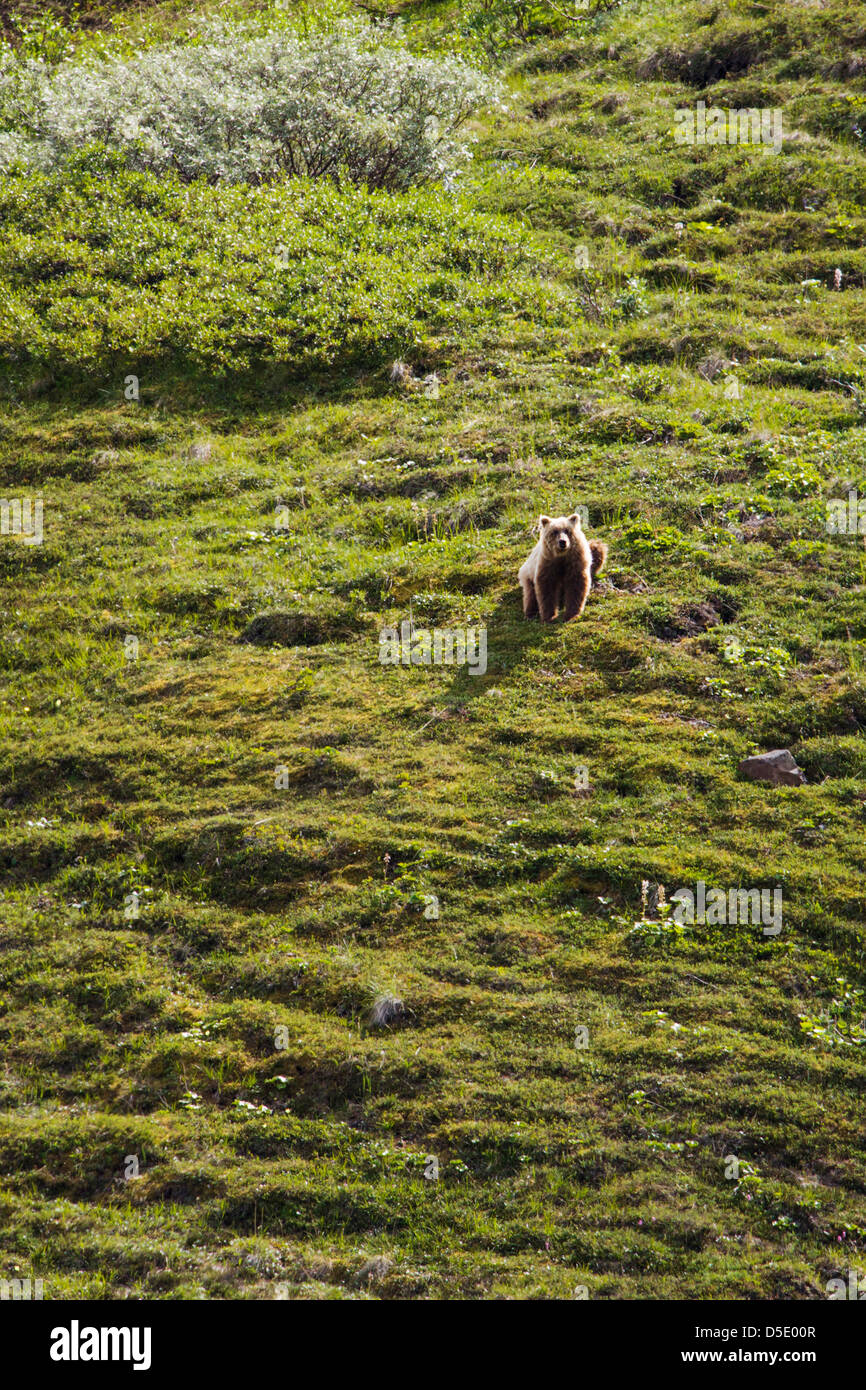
(559, 572)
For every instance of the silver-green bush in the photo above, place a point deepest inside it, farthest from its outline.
(240, 106)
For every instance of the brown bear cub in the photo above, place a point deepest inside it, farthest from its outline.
(558, 574)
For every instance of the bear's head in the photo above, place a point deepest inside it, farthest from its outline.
(558, 533)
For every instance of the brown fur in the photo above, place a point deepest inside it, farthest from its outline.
(558, 575)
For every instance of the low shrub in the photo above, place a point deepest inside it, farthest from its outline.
(237, 105)
(105, 270)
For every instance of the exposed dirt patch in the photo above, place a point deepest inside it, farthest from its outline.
(280, 629)
(694, 618)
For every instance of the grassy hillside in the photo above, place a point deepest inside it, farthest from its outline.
(225, 843)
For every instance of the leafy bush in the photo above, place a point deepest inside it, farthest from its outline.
(42, 36)
(644, 383)
(840, 117)
(800, 478)
(842, 1023)
(105, 268)
(497, 25)
(240, 106)
(631, 303)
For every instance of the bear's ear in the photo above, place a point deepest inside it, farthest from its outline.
(543, 521)
(575, 519)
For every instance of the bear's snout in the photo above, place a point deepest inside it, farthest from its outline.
(562, 541)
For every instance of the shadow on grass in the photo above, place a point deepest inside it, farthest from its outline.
(510, 638)
(270, 388)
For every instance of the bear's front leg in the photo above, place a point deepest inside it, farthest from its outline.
(546, 604)
(530, 603)
(576, 593)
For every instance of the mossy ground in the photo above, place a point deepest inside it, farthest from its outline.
(302, 1168)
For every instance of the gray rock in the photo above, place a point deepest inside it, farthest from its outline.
(776, 767)
(373, 1271)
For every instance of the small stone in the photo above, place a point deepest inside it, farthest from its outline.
(776, 767)
(374, 1270)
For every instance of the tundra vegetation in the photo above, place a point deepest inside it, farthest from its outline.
(344, 980)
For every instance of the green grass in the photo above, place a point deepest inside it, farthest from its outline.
(105, 269)
(300, 1169)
